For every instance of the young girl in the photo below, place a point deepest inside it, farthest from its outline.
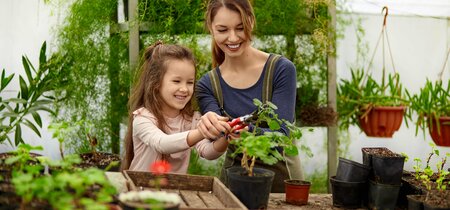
(162, 122)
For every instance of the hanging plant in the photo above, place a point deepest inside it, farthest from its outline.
(377, 108)
(432, 105)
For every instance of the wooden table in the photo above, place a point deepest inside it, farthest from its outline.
(276, 200)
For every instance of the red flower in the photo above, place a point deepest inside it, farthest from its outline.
(160, 167)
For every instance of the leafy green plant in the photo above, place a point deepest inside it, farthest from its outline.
(25, 109)
(65, 188)
(432, 102)
(435, 182)
(358, 95)
(256, 144)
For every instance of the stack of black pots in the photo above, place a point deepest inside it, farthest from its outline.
(349, 186)
(385, 177)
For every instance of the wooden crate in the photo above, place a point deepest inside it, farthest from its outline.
(197, 192)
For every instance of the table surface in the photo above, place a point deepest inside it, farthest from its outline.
(276, 200)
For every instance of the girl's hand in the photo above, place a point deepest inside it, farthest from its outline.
(213, 126)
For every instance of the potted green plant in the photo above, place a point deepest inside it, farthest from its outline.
(69, 188)
(377, 108)
(250, 184)
(432, 106)
(102, 160)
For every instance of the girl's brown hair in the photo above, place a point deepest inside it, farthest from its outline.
(243, 7)
(146, 91)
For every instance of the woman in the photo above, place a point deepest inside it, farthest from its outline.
(240, 68)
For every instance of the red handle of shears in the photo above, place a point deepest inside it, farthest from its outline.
(236, 121)
(240, 122)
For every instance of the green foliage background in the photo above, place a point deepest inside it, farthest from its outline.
(95, 77)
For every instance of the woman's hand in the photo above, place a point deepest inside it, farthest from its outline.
(213, 126)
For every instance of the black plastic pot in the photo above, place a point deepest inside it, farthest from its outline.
(382, 196)
(407, 188)
(352, 171)
(428, 207)
(388, 170)
(415, 202)
(348, 194)
(252, 191)
(367, 154)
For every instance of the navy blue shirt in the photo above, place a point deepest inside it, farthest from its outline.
(239, 102)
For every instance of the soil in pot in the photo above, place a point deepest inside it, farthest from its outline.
(297, 191)
(415, 202)
(410, 186)
(367, 153)
(348, 194)
(99, 160)
(252, 191)
(437, 200)
(352, 171)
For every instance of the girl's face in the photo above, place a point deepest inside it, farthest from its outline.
(177, 86)
(228, 32)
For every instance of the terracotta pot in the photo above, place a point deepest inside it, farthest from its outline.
(382, 121)
(442, 138)
(297, 191)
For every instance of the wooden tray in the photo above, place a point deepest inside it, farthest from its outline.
(197, 192)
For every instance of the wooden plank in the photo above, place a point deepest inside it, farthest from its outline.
(226, 196)
(133, 35)
(192, 199)
(210, 200)
(175, 181)
(331, 95)
(182, 204)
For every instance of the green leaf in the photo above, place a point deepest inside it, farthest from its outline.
(273, 125)
(16, 100)
(32, 126)
(5, 80)
(41, 108)
(18, 135)
(42, 56)
(37, 118)
(26, 66)
(23, 88)
(10, 114)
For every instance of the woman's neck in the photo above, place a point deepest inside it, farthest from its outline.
(247, 60)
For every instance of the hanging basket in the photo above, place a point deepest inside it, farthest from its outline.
(382, 121)
(441, 133)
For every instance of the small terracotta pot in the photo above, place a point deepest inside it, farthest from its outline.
(382, 121)
(442, 138)
(297, 191)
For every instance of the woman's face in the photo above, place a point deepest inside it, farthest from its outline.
(228, 32)
(177, 86)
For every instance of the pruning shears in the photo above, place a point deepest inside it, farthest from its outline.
(240, 122)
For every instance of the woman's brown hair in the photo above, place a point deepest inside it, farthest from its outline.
(243, 7)
(146, 91)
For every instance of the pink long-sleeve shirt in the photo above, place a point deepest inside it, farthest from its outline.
(151, 143)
